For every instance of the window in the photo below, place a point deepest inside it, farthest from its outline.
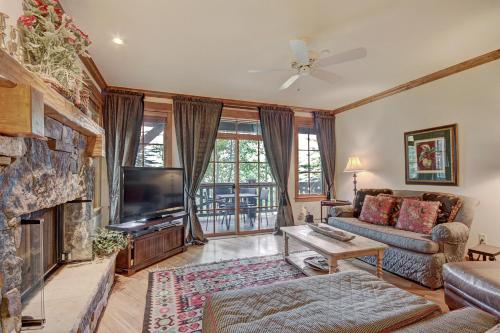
(152, 145)
(309, 181)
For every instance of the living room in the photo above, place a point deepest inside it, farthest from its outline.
(229, 167)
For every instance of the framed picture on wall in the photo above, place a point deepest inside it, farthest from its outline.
(431, 156)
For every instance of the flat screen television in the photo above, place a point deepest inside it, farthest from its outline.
(150, 192)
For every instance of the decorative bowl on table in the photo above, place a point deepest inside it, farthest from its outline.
(333, 233)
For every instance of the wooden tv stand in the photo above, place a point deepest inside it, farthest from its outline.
(146, 245)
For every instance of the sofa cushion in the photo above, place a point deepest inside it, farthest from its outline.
(450, 205)
(360, 198)
(386, 234)
(393, 219)
(377, 210)
(418, 216)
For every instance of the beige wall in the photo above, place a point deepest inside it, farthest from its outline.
(13, 8)
(471, 99)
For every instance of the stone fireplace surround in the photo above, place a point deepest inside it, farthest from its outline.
(43, 174)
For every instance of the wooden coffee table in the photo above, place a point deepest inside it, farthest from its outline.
(330, 248)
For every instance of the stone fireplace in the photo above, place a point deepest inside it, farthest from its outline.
(38, 175)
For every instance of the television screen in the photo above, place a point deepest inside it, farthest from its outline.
(149, 192)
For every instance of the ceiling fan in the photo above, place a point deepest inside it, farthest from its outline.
(308, 63)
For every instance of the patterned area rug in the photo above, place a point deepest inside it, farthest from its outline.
(176, 296)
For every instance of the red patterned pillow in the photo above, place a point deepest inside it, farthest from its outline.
(360, 198)
(393, 219)
(377, 210)
(418, 216)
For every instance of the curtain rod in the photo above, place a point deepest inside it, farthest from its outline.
(240, 104)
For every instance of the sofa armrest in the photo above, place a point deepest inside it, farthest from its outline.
(342, 211)
(452, 238)
(451, 233)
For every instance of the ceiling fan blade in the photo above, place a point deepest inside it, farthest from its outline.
(268, 70)
(300, 51)
(289, 82)
(338, 58)
(325, 76)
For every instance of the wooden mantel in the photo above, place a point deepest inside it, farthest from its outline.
(55, 105)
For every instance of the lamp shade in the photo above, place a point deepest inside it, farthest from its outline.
(354, 165)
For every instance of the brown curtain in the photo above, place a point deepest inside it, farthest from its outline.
(324, 125)
(196, 124)
(122, 116)
(277, 135)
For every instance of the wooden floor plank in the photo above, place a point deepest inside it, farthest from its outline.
(125, 310)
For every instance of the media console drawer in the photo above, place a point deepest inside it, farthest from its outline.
(150, 248)
(157, 243)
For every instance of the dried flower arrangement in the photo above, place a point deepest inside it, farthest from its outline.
(52, 44)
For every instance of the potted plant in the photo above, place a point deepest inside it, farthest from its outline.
(107, 242)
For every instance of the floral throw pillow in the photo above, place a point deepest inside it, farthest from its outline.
(418, 216)
(377, 210)
(393, 219)
(360, 197)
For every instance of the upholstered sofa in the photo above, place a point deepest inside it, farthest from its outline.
(418, 257)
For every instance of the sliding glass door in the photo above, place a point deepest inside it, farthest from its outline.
(216, 196)
(238, 194)
(257, 190)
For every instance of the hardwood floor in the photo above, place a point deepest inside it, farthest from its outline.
(125, 310)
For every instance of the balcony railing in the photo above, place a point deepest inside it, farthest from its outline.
(217, 208)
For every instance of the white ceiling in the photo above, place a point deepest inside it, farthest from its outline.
(206, 47)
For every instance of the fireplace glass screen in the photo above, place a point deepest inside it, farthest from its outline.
(34, 262)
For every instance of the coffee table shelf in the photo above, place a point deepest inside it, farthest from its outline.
(297, 260)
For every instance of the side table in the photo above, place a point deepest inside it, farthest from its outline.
(332, 203)
(484, 251)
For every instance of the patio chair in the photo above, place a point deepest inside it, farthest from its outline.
(226, 207)
(205, 203)
(263, 196)
(247, 204)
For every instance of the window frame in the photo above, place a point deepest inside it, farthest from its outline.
(303, 122)
(167, 134)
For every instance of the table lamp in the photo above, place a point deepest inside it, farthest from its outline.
(354, 166)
